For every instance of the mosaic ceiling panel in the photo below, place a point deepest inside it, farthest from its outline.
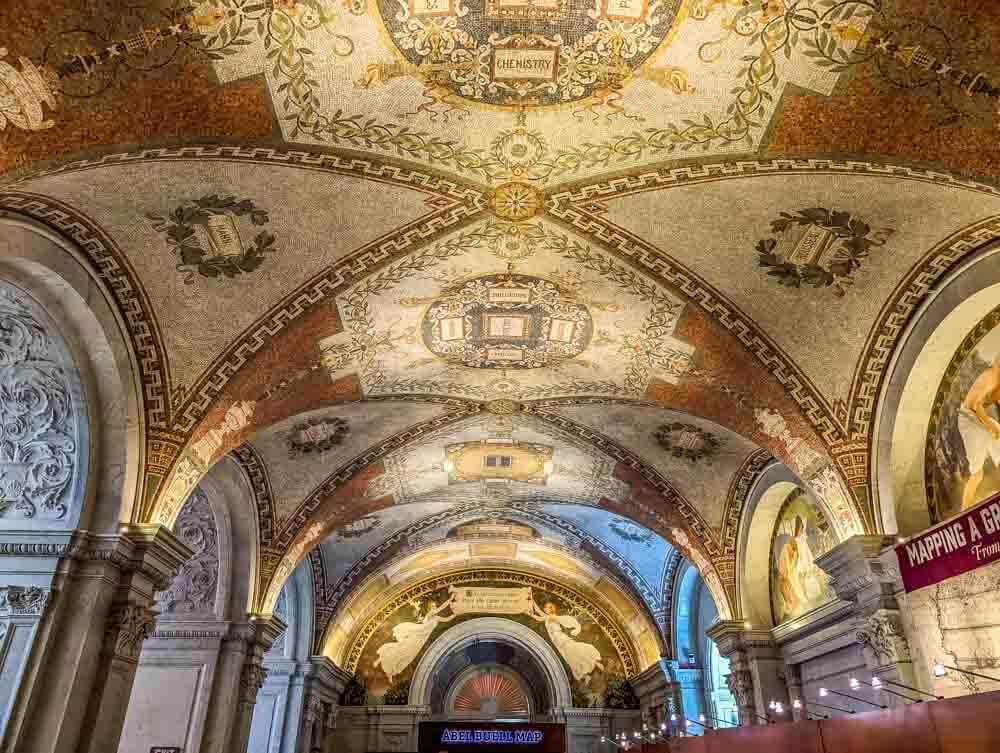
(812, 259)
(301, 452)
(507, 310)
(644, 550)
(500, 458)
(700, 458)
(216, 244)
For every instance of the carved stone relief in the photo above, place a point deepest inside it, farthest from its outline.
(883, 639)
(38, 450)
(18, 600)
(128, 626)
(251, 680)
(281, 610)
(193, 589)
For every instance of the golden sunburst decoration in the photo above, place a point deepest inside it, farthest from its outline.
(483, 687)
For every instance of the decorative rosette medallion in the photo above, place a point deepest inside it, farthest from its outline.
(525, 53)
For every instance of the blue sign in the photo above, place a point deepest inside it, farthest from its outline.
(451, 736)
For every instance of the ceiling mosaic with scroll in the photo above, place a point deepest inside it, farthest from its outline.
(479, 314)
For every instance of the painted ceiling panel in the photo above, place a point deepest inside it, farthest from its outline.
(835, 248)
(545, 465)
(302, 451)
(504, 310)
(644, 550)
(217, 244)
(347, 546)
(698, 457)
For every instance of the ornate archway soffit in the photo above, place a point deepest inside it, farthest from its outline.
(329, 596)
(846, 438)
(702, 537)
(625, 649)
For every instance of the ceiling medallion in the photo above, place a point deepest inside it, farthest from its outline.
(507, 321)
(516, 202)
(526, 53)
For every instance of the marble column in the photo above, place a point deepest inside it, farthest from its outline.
(239, 676)
(655, 688)
(793, 684)
(75, 674)
(864, 572)
(756, 666)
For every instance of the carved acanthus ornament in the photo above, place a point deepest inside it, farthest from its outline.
(37, 420)
(128, 626)
(22, 601)
(193, 589)
(883, 639)
(251, 680)
(740, 684)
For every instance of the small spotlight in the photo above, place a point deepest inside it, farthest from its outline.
(701, 717)
(548, 467)
(823, 692)
(636, 735)
(796, 704)
(603, 739)
(772, 704)
(747, 626)
(854, 683)
(779, 708)
(900, 539)
(673, 717)
(663, 727)
(449, 465)
(876, 683)
(939, 670)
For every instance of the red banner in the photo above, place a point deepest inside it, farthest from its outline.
(952, 548)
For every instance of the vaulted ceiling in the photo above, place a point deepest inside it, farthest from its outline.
(639, 248)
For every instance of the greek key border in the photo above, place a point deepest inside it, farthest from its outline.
(111, 266)
(896, 314)
(383, 169)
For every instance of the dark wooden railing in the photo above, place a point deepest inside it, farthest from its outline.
(970, 724)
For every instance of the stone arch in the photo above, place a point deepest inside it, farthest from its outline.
(58, 286)
(228, 488)
(918, 366)
(498, 630)
(757, 525)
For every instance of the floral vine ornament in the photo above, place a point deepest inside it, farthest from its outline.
(206, 235)
(818, 247)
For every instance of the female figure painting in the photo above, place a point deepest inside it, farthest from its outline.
(410, 638)
(801, 535)
(581, 657)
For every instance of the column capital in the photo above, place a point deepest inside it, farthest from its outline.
(862, 574)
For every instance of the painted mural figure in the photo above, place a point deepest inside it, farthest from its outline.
(582, 657)
(410, 639)
(797, 572)
(980, 432)
(798, 584)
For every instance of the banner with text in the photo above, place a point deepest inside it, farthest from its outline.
(952, 548)
(491, 600)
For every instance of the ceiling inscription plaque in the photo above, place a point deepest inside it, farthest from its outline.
(507, 321)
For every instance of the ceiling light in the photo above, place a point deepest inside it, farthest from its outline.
(796, 704)
(449, 465)
(876, 683)
(854, 683)
(939, 670)
(548, 467)
(823, 692)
